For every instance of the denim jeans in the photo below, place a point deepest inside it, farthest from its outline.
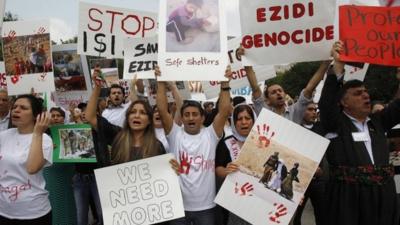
(85, 186)
(204, 217)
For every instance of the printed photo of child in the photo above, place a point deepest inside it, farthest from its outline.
(192, 26)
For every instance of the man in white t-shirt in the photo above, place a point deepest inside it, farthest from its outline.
(4, 110)
(194, 146)
(115, 111)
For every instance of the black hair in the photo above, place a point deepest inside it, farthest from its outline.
(36, 104)
(58, 109)
(268, 85)
(191, 103)
(116, 86)
(241, 108)
(346, 86)
(238, 99)
(82, 106)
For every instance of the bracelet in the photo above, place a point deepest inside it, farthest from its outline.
(225, 88)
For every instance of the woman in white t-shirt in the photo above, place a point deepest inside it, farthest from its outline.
(24, 151)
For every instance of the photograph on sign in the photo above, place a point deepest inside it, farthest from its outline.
(192, 40)
(109, 70)
(27, 56)
(74, 143)
(276, 164)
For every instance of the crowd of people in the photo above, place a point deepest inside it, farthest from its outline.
(353, 184)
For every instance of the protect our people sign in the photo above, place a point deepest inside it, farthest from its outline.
(278, 32)
(140, 192)
(370, 34)
(102, 29)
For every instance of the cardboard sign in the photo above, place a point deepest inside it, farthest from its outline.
(74, 143)
(103, 28)
(239, 77)
(72, 83)
(27, 57)
(277, 32)
(355, 73)
(140, 192)
(140, 57)
(192, 45)
(370, 34)
(276, 165)
(3, 81)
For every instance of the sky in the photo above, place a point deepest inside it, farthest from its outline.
(64, 13)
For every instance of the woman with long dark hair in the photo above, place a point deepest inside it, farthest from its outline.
(24, 151)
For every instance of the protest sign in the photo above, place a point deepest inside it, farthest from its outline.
(72, 84)
(3, 81)
(140, 192)
(27, 57)
(355, 73)
(151, 92)
(73, 143)
(140, 57)
(370, 34)
(276, 164)
(109, 70)
(239, 76)
(102, 29)
(276, 32)
(195, 48)
(2, 7)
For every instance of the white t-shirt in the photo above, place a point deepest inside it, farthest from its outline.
(197, 180)
(116, 115)
(160, 134)
(22, 196)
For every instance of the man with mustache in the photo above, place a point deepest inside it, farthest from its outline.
(361, 188)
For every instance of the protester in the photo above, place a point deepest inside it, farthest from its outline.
(228, 149)
(24, 151)
(57, 116)
(197, 179)
(274, 95)
(4, 110)
(361, 189)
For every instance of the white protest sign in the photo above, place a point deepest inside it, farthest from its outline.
(102, 29)
(27, 57)
(72, 83)
(3, 81)
(140, 192)
(274, 142)
(2, 7)
(192, 45)
(355, 73)
(239, 77)
(140, 57)
(276, 32)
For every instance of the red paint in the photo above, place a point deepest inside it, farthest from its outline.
(280, 211)
(15, 190)
(264, 138)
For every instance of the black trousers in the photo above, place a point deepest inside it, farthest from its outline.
(316, 192)
(44, 220)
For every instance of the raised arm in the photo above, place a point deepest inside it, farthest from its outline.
(328, 105)
(178, 101)
(91, 109)
(162, 104)
(224, 105)
(135, 88)
(36, 160)
(251, 77)
(315, 79)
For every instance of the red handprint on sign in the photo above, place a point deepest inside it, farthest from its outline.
(280, 211)
(245, 189)
(11, 35)
(263, 139)
(185, 163)
(15, 78)
(41, 30)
